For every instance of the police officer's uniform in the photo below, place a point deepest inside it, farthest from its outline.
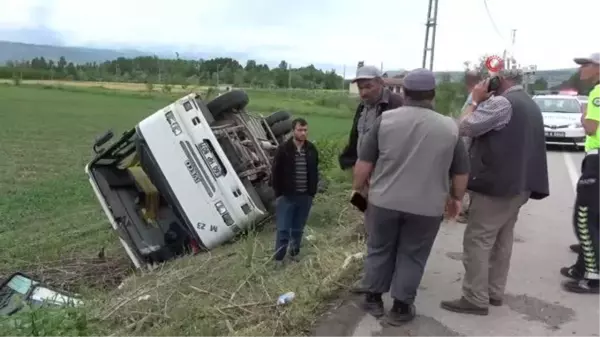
(586, 215)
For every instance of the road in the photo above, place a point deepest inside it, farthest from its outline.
(534, 303)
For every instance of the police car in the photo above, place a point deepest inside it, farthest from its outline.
(562, 117)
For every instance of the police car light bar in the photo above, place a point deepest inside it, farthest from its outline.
(568, 92)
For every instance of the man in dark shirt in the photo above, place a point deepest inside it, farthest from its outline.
(294, 178)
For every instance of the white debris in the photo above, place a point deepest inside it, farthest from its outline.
(356, 256)
(143, 298)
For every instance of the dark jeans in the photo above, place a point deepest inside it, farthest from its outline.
(585, 217)
(291, 213)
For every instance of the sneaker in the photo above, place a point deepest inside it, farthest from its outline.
(581, 286)
(373, 305)
(400, 313)
(571, 272)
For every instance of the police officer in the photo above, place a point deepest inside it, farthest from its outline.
(584, 273)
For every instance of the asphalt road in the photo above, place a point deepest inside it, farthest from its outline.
(534, 303)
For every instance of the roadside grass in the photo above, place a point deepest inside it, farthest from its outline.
(230, 291)
(53, 228)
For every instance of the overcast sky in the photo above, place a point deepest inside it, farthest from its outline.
(549, 33)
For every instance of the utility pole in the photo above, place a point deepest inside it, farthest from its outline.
(428, 50)
(159, 68)
(528, 75)
(217, 76)
(344, 78)
(511, 55)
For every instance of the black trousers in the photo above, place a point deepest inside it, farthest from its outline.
(586, 217)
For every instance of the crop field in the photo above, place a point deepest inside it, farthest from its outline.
(52, 226)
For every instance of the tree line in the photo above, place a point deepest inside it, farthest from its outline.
(151, 69)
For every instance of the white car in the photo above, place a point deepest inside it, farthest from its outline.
(188, 177)
(562, 119)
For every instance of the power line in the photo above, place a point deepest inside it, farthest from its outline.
(489, 14)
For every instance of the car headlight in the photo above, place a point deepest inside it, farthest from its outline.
(220, 207)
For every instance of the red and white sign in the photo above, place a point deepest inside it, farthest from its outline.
(494, 64)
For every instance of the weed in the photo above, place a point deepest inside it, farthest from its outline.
(16, 79)
(166, 88)
(149, 87)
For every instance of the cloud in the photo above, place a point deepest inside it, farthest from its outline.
(28, 22)
(334, 32)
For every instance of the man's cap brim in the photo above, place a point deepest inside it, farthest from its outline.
(584, 60)
(363, 78)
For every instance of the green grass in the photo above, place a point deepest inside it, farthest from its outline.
(52, 224)
(298, 102)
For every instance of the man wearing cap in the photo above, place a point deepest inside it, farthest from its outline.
(375, 98)
(586, 211)
(408, 155)
(508, 167)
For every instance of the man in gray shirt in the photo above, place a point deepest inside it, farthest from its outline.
(411, 154)
(375, 98)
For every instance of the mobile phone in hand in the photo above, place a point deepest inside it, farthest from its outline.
(494, 84)
(359, 201)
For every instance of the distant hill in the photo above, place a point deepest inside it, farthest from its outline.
(13, 51)
(16, 51)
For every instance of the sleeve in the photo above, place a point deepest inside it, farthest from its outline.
(467, 102)
(275, 169)
(593, 106)
(317, 161)
(492, 114)
(460, 161)
(369, 148)
(348, 156)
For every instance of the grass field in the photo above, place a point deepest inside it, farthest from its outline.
(52, 227)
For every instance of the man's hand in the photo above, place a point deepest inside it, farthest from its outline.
(480, 91)
(453, 208)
